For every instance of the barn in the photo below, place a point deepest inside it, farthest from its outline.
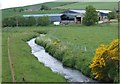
(70, 16)
(76, 16)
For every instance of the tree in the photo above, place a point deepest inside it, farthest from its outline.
(9, 22)
(91, 16)
(43, 7)
(30, 21)
(43, 21)
(111, 15)
(20, 20)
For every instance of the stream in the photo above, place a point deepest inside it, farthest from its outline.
(56, 66)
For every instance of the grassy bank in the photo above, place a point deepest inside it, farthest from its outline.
(80, 42)
(75, 45)
(24, 63)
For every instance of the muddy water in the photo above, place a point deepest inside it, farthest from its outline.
(55, 65)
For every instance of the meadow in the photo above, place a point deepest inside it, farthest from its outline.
(97, 5)
(76, 37)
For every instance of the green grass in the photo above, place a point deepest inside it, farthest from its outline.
(48, 4)
(76, 37)
(97, 5)
(6, 13)
(24, 63)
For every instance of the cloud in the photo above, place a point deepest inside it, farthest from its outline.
(17, 3)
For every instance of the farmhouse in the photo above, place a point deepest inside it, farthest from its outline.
(71, 16)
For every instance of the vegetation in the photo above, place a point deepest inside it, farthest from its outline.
(43, 7)
(97, 5)
(43, 21)
(111, 15)
(91, 16)
(30, 21)
(105, 57)
(24, 63)
(11, 22)
(79, 43)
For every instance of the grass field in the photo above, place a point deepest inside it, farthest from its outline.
(97, 5)
(62, 6)
(75, 36)
(25, 64)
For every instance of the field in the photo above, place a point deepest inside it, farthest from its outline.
(57, 7)
(25, 65)
(97, 5)
(75, 36)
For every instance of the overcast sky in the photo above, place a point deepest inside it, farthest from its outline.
(16, 3)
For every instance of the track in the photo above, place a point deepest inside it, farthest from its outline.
(10, 62)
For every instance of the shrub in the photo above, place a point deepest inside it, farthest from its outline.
(57, 50)
(111, 15)
(21, 21)
(91, 16)
(9, 22)
(43, 21)
(30, 21)
(43, 7)
(105, 62)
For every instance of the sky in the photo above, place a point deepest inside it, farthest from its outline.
(16, 3)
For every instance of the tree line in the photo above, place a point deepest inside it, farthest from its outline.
(16, 21)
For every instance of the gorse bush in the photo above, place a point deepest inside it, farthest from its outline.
(105, 62)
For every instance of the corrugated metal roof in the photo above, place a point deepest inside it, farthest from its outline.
(83, 11)
(104, 11)
(78, 11)
(40, 15)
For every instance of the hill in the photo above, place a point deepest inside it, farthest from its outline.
(56, 7)
(97, 5)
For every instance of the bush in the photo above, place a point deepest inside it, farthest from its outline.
(30, 21)
(57, 50)
(9, 22)
(43, 7)
(105, 62)
(91, 16)
(21, 21)
(43, 21)
(111, 15)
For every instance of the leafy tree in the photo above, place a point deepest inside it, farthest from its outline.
(111, 15)
(20, 21)
(30, 21)
(43, 21)
(43, 7)
(9, 22)
(91, 16)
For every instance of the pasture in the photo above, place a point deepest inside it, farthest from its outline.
(76, 37)
(97, 5)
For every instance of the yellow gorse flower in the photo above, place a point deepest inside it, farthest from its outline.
(105, 54)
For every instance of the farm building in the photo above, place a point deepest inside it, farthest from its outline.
(76, 16)
(71, 16)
